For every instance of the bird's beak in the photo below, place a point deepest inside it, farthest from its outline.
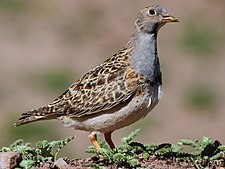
(169, 18)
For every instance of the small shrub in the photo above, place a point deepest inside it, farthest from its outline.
(42, 152)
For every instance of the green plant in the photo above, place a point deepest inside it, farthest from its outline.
(205, 150)
(42, 152)
(128, 154)
(125, 154)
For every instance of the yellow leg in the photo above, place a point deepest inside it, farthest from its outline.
(108, 139)
(93, 138)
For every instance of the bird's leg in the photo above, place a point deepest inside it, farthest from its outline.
(94, 140)
(108, 139)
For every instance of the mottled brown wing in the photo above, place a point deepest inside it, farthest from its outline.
(105, 86)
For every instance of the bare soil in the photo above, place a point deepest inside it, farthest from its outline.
(152, 162)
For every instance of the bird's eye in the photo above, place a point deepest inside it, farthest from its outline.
(152, 12)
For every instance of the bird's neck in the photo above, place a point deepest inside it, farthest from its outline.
(144, 54)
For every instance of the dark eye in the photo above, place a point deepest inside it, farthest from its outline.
(152, 12)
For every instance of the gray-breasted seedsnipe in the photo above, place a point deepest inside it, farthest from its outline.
(118, 92)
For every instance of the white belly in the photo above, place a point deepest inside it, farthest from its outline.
(115, 118)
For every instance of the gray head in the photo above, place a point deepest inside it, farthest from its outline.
(152, 18)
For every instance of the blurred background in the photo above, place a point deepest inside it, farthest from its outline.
(45, 46)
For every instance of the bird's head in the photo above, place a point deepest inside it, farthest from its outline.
(152, 18)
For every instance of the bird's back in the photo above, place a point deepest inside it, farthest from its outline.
(103, 87)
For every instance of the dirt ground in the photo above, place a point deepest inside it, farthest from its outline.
(152, 162)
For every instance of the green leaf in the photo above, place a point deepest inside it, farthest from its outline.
(207, 140)
(131, 136)
(145, 155)
(176, 148)
(119, 156)
(134, 162)
(221, 148)
(41, 153)
(27, 164)
(192, 143)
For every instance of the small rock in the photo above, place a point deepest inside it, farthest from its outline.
(61, 163)
(9, 159)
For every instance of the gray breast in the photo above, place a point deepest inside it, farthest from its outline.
(144, 57)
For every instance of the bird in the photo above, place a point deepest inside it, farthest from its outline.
(118, 92)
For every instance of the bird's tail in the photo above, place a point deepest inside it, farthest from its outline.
(42, 113)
